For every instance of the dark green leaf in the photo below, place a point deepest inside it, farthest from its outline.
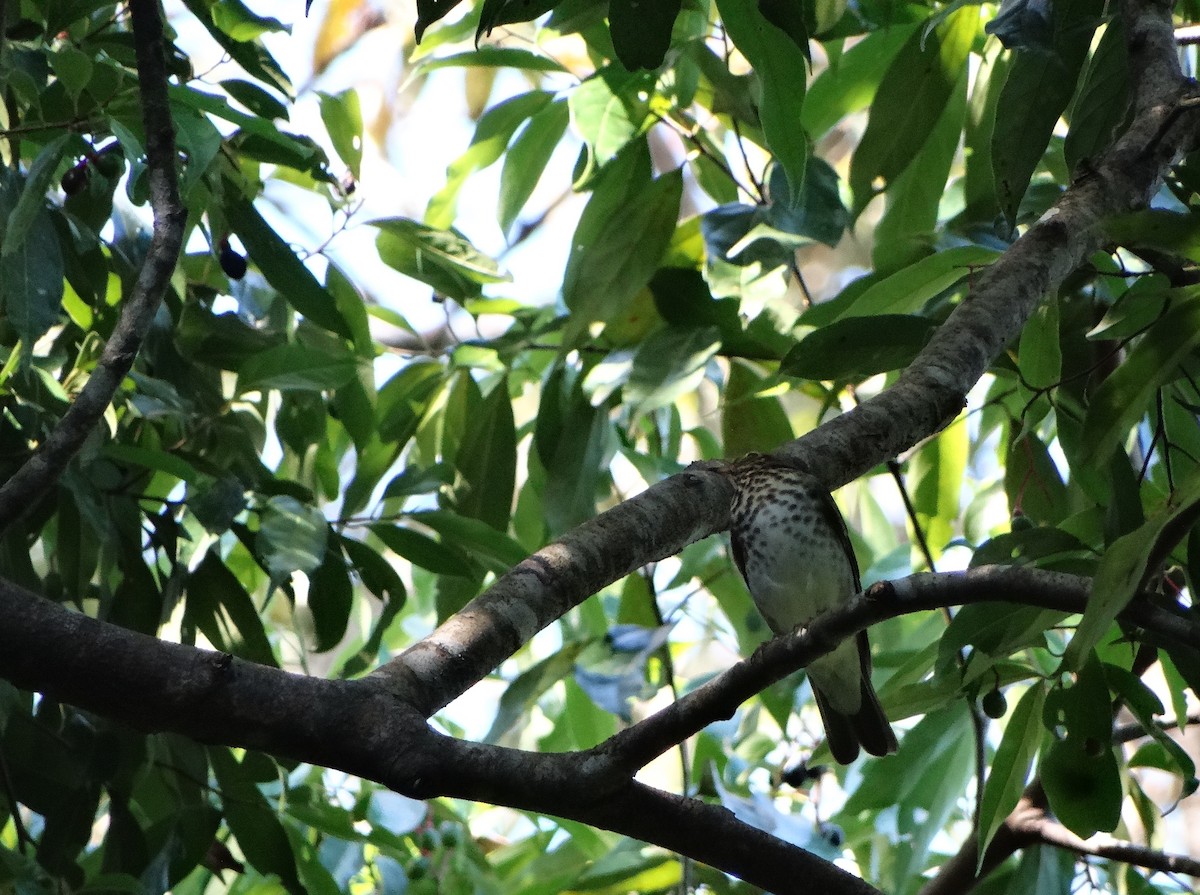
(32, 201)
(858, 347)
(1037, 90)
(1124, 396)
(424, 551)
(910, 100)
(219, 606)
(641, 32)
(330, 597)
(619, 242)
(487, 461)
(1103, 100)
(259, 101)
(280, 265)
(445, 259)
(754, 418)
(295, 368)
(1023, 734)
(291, 537)
(253, 822)
(780, 67)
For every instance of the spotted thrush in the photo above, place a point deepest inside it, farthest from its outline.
(791, 546)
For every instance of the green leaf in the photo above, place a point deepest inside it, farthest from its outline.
(914, 91)
(610, 110)
(152, 458)
(343, 121)
(527, 158)
(910, 289)
(31, 279)
(523, 692)
(1037, 90)
(574, 441)
(445, 259)
(1124, 396)
(259, 101)
(279, 263)
(848, 87)
(753, 418)
(858, 347)
(32, 202)
(220, 607)
(906, 232)
(251, 56)
(1103, 98)
(1080, 772)
(641, 32)
(295, 368)
(1044, 869)
(493, 547)
(487, 461)
(422, 550)
(199, 140)
(938, 469)
(291, 537)
(780, 67)
(1010, 768)
(1128, 562)
(1039, 357)
(73, 68)
(330, 597)
(979, 185)
(236, 20)
(668, 364)
(1169, 231)
(1033, 483)
(492, 57)
(253, 822)
(492, 135)
(619, 241)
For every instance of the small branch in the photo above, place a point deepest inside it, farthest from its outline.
(42, 470)
(719, 698)
(1030, 824)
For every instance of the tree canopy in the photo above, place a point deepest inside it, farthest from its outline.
(307, 587)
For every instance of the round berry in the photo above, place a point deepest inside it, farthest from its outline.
(233, 262)
(76, 179)
(994, 704)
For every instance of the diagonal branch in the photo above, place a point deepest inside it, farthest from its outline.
(43, 469)
(366, 728)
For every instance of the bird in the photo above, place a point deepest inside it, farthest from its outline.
(790, 544)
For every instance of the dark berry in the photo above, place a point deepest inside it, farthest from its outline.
(75, 180)
(994, 704)
(800, 773)
(233, 262)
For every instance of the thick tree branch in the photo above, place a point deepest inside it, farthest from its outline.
(43, 469)
(364, 728)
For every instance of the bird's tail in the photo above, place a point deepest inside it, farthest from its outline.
(867, 727)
